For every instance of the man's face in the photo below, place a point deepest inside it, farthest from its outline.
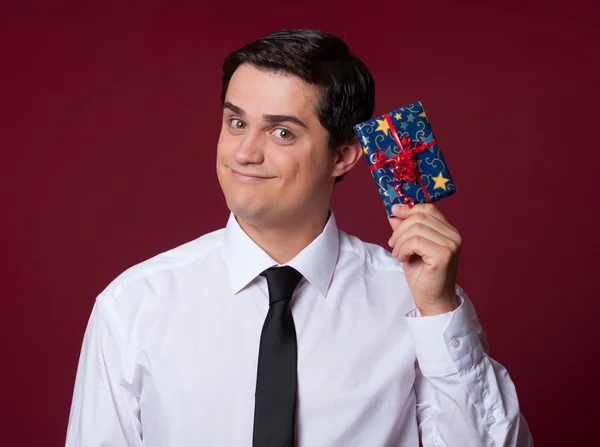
(273, 162)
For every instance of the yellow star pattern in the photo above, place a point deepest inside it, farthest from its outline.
(440, 181)
(422, 115)
(398, 116)
(366, 150)
(383, 126)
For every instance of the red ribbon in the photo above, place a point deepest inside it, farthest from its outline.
(404, 164)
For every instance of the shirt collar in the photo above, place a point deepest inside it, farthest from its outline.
(246, 260)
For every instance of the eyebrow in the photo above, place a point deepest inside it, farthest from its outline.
(268, 118)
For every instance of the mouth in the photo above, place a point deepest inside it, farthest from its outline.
(248, 177)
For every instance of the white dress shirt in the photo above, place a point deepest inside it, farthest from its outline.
(170, 354)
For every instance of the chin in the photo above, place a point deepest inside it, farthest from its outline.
(245, 208)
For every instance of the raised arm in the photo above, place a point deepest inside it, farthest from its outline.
(464, 397)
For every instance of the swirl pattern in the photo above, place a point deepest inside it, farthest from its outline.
(375, 136)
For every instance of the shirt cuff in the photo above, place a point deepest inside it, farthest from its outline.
(444, 344)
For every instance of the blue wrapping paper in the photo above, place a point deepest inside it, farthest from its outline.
(390, 158)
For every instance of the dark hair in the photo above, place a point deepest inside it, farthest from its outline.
(318, 58)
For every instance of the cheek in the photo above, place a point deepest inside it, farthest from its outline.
(319, 165)
(223, 154)
(302, 169)
(286, 162)
(223, 144)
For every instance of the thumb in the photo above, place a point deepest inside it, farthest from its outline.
(400, 213)
(394, 222)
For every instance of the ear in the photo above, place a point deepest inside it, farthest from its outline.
(346, 157)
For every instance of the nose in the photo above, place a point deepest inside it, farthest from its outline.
(250, 149)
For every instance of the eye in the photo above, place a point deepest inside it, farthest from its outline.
(236, 123)
(283, 133)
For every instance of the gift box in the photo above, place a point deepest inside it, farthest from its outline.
(404, 157)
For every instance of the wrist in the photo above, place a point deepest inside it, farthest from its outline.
(441, 306)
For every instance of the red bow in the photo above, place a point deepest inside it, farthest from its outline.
(404, 165)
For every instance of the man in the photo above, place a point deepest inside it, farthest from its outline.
(341, 344)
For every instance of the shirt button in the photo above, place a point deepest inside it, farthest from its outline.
(491, 419)
(455, 342)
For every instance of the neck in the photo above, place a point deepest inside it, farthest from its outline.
(284, 242)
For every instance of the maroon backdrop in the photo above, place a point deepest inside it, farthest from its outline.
(110, 117)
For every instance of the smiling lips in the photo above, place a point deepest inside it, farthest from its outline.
(247, 177)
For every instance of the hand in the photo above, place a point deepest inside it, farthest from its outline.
(429, 248)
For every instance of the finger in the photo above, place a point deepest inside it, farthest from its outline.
(430, 252)
(431, 234)
(424, 219)
(400, 211)
(399, 216)
(403, 212)
(432, 210)
(394, 222)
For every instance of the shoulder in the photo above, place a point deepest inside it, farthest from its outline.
(152, 271)
(372, 255)
(376, 275)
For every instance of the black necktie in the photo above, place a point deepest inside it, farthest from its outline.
(275, 398)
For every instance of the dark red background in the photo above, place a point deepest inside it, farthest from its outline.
(110, 117)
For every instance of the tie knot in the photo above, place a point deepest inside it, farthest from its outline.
(282, 282)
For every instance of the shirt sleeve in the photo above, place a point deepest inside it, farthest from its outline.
(464, 397)
(103, 411)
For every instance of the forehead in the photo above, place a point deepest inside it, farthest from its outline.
(262, 92)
